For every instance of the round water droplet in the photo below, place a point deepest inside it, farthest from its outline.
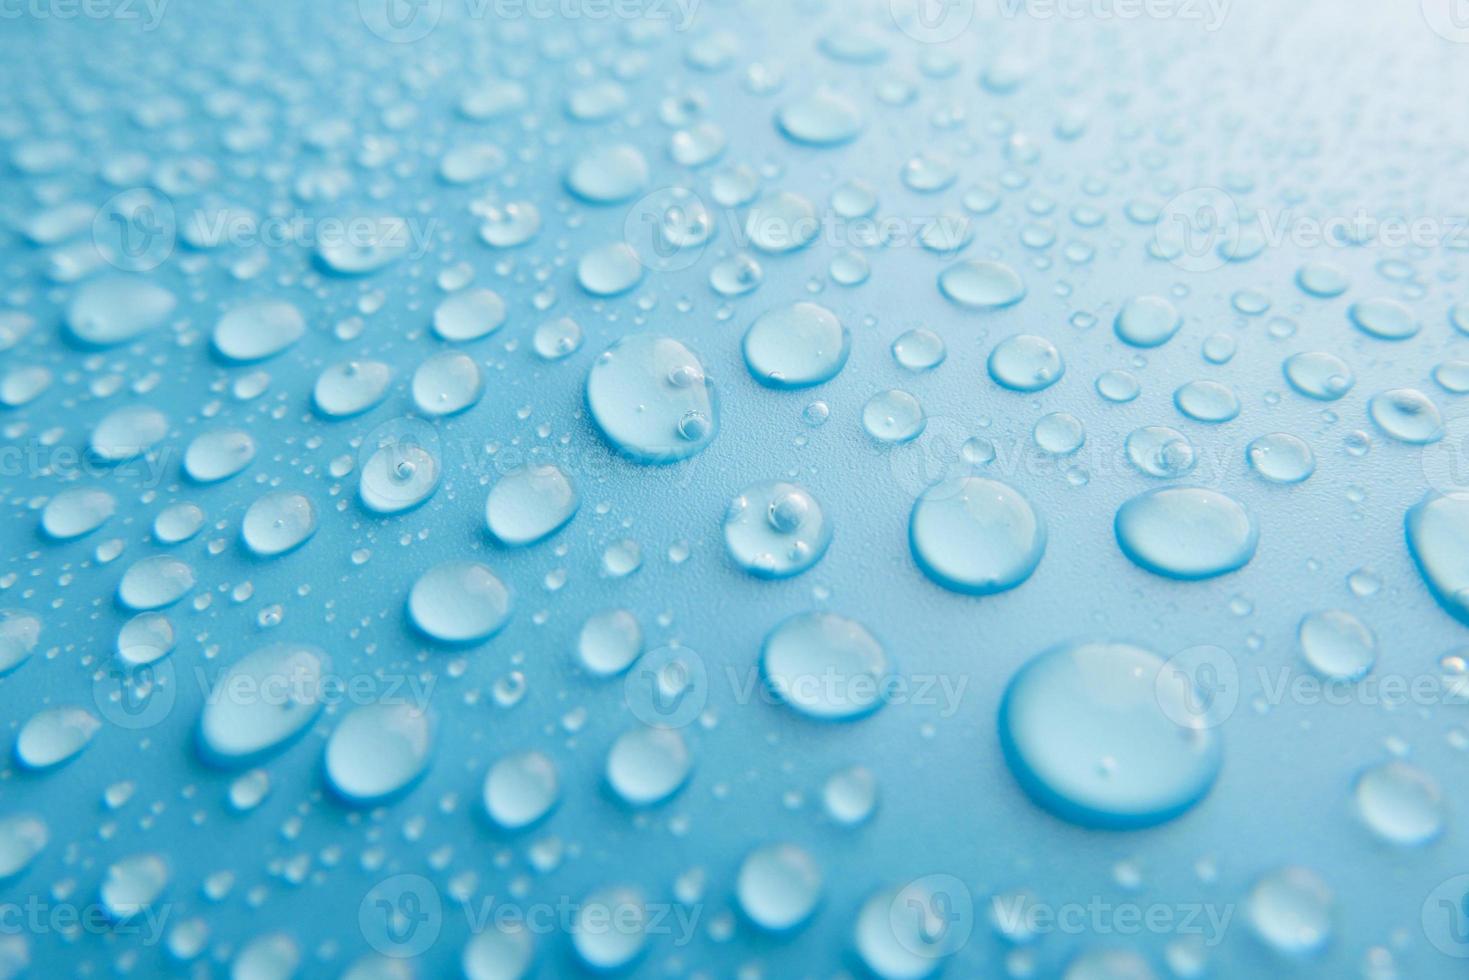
(520, 790)
(20, 632)
(126, 433)
(447, 383)
(1337, 645)
(1407, 415)
(1290, 910)
(1385, 319)
(133, 884)
(1398, 802)
(1281, 458)
(261, 703)
(1059, 433)
(1090, 734)
(609, 642)
(23, 385)
(652, 400)
(499, 952)
(1438, 540)
(608, 174)
(459, 602)
(822, 118)
(1186, 532)
(825, 666)
(1322, 279)
(155, 582)
(1118, 386)
(1207, 401)
(378, 751)
(609, 931)
(53, 736)
(647, 765)
(74, 513)
(218, 455)
(558, 338)
(514, 224)
(258, 330)
(1147, 321)
(278, 522)
(398, 476)
(850, 795)
(609, 270)
(145, 639)
(776, 530)
(893, 416)
(22, 837)
(370, 244)
(976, 536)
(796, 346)
(274, 956)
(919, 350)
(469, 315)
(976, 284)
(736, 275)
(1319, 375)
(530, 504)
(108, 312)
(177, 523)
(778, 887)
(1026, 362)
(782, 222)
(351, 388)
(1160, 451)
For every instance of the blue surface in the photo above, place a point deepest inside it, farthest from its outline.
(1305, 109)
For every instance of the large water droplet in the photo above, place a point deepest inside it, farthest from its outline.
(778, 886)
(609, 270)
(609, 931)
(609, 642)
(1438, 540)
(1290, 910)
(20, 632)
(1398, 802)
(133, 884)
(825, 666)
(977, 284)
(1025, 362)
(1147, 321)
(447, 383)
(1319, 375)
(260, 703)
(278, 522)
(1385, 319)
(782, 222)
(1281, 458)
(530, 504)
(218, 455)
(378, 751)
(647, 765)
(823, 118)
(650, 397)
(53, 736)
(796, 346)
(22, 837)
(1407, 415)
(74, 513)
(155, 582)
(608, 174)
(126, 433)
(113, 311)
(470, 315)
(351, 388)
(258, 330)
(776, 530)
(1160, 451)
(893, 416)
(976, 536)
(520, 789)
(1186, 532)
(1092, 735)
(1337, 644)
(459, 602)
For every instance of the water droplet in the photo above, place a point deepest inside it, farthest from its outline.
(850, 796)
(1385, 319)
(278, 522)
(648, 765)
(470, 315)
(976, 536)
(1147, 321)
(53, 736)
(557, 338)
(520, 789)
(796, 346)
(218, 455)
(499, 952)
(609, 642)
(1281, 458)
(893, 416)
(1025, 362)
(736, 275)
(127, 433)
(608, 174)
(258, 330)
(1091, 734)
(447, 383)
(1322, 279)
(1207, 401)
(1290, 910)
(1407, 415)
(108, 312)
(1160, 451)
(652, 400)
(22, 837)
(1319, 375)
(372, 244)
(351, 387)
(133, 884)
(398, 476)
(1337, 645)
(1398, 802)
(1186, 532)
(778, 886)
(73, 514)
(1059, 433)
(776, 530)
(980, 285)
(919, 350)
(261, 703)
(1438, 540)
(530, 504)
(378, 751)
(145, 639)
(824, 666)
(609, 270)
(823, 118)
(782, 222)
(1118, 386)
(459, 602)
(155, 582)
(603, 948)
